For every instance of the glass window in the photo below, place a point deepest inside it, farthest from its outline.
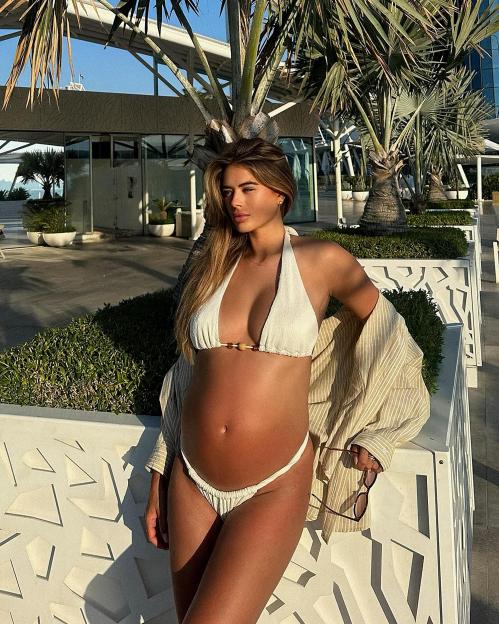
(77, 181)
(487, 79)
(299, 154)
(125, 149)
(489, 95)
(167, 173)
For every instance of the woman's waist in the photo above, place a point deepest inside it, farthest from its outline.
(231, 453)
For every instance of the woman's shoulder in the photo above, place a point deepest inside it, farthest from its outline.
(316, 251)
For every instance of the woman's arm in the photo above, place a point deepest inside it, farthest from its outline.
(346, 280)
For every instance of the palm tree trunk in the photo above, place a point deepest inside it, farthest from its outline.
(436, 192)
(384, 211)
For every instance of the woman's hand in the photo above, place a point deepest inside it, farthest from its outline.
(362, 461)
(155, 515)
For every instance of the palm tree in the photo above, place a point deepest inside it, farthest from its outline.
(451, 125)
(376, 99)
(265, 36)
(45, 167)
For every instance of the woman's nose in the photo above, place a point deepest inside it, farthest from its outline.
(235, 199)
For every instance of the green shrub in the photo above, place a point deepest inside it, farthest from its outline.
(421, 317)
(420, 242)
(111, 361)
(47, 215)
(115, 360)
(18, 193)
(442, 217)
(451, 204)
(3, 194)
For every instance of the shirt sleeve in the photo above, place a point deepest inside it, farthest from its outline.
(402, 414)
(175, 384)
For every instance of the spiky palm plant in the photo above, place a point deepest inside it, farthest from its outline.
(43, 166)
(374, 98)
(265, 36)
(451, 124)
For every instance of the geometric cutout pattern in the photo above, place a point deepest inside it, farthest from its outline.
(7, 464)
(72, 443)
(153, 577)
(106, 508)
(37, 461)
(104, 593)
(139, 488)
(6, 536)
(75, 474)
(453, 284)
(40, 555)
(40, 504)
(102, 570)
(67, 614)
(93, 545)
(8, 580)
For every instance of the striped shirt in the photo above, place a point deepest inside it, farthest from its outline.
(366, 388)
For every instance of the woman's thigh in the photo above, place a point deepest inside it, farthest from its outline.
(253, 550)
(193, 527)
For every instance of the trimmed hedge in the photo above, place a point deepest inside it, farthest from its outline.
(452, 204)
(111, 361)
(442, 217)
(115, 360)
(420, 313)
(420, 242)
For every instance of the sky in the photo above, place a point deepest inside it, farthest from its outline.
(110, 69)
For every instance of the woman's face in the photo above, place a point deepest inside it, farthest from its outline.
(243, 195)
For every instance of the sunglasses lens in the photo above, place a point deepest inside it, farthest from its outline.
(370, 477)
(360, 505)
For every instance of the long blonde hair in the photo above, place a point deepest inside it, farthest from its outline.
(224, 244)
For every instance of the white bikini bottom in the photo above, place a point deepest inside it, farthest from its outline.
(224, 501)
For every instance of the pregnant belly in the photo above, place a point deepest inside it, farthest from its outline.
(243, 420)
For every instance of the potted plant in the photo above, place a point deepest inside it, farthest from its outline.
(346, 187)
(33, 220)
(57, 229)
(456, 190)
(162, 220)
(360, 188)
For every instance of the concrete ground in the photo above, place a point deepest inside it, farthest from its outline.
(45, 287)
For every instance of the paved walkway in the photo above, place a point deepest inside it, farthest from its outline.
(44, 287)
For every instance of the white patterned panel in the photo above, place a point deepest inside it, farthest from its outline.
(451, 283)
(72, 544)
(73, 547)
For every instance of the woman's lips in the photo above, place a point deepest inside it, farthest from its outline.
(241, 217)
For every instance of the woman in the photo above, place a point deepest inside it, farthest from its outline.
(247, 320)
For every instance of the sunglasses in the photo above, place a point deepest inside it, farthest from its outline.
(360, 502)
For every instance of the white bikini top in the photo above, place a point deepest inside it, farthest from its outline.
(291, 326)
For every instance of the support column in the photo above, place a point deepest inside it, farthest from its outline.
(479, 183)
(336, 148)
(192, 170)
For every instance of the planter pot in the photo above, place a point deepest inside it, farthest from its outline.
(346, 194)
(454, 286)
(59, 239)
(360, 195)
(161, 229)
(36, 238)
(462, 194)
(440, 458)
